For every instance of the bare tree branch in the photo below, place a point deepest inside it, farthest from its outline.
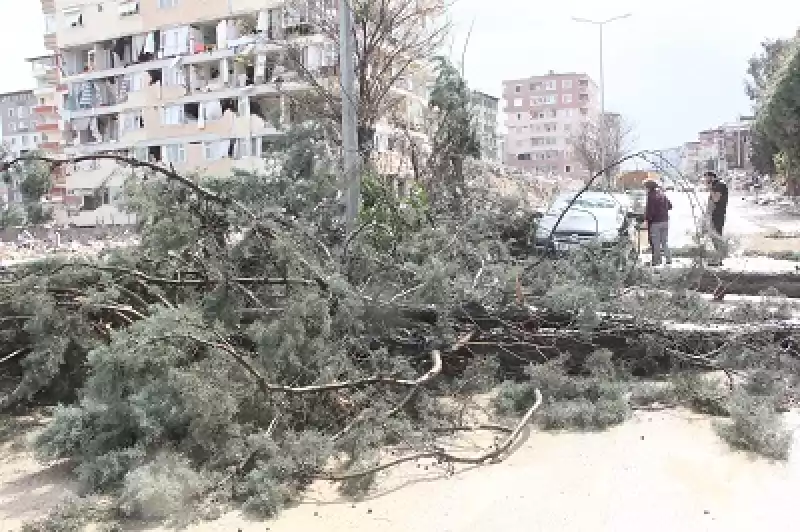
(444, 456)
(611, 132)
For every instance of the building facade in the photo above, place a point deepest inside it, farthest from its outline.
(722, 149)
(49, 94)
(542, 113)
(18, 133)
(737, 138)
(18, 121)
(195, 84)
(484, 113)
(692, 164)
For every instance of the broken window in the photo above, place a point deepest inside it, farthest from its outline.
(129, 8)
(175, 153)
(174, 41)
(135, 82)
(154, 154)
(90, 203)
(229, 104)
(172, 115)
(216, 150)
(191, 112)
(155, 76)
(242, 148)
(73, 18)
(174, 76)
(212, 110)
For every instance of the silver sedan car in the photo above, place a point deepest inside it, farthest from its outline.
(598, 217)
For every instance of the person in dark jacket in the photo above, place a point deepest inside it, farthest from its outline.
(656, 215)
(717, 210)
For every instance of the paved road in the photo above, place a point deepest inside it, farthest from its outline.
(743, 217)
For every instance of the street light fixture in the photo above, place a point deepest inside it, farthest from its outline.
(600, 24)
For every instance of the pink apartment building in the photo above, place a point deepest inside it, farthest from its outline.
(542, 112)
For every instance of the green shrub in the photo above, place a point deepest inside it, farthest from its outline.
(162, 488)
(755, 426)
(580, 402)
(282, 470)
(72, 515)
(701, 393)
(647, 393)
(769, 384)
(585, 414)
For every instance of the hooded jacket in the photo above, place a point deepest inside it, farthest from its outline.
(658, 206)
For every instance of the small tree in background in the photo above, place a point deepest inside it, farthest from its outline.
(33, 181)
(453, 135)
(778, 113)
(609, 131)
(763, 67)
(393, 40)
(761, 71)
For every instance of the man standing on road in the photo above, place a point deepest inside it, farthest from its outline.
(656, 215)
(717, 208)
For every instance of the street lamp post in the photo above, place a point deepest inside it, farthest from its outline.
(600, 24)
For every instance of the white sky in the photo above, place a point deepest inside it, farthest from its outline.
(675, 67)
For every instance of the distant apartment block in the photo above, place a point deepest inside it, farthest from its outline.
(18, 132)
(721, 149)
(48, 94)
(19, 121)
(542, 113)
(195, 84)
(484, 113)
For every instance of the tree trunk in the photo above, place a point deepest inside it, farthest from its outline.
(747, 283)
(522, 336)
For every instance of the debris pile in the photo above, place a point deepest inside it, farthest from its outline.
(29, 248)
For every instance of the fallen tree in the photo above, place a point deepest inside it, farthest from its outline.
(247, 346)
(723, 282)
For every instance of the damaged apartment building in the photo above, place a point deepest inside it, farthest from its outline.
(196, 85)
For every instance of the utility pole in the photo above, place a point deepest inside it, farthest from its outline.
(352, 168)
(603, 121)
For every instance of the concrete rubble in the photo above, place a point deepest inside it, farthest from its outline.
(29, 248)
(534, 190)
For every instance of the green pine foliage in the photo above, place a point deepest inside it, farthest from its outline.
(162, 356)
(247, 346)
(33, 181)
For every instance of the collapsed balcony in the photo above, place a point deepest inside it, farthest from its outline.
(241, 34)
(199, 114)
(98, 93)
(114, 53)
(94, 130)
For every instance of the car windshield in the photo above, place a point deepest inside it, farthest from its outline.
(587, 203)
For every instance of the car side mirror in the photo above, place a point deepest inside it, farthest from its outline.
(637, 216)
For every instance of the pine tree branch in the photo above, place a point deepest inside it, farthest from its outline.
(268, 387)
(442, 455)
(171, 174)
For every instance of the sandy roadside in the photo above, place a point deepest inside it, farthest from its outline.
(663, 471)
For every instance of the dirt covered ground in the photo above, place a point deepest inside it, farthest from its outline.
(665, 471)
